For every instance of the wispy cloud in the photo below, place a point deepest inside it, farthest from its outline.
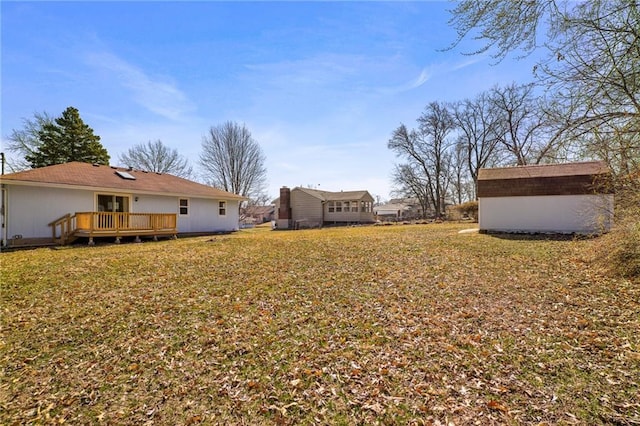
(469, 62)
(424, 76)
(158, 96)
(427, 73)
(315, 71)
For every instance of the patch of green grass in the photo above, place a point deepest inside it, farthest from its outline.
(400, 324)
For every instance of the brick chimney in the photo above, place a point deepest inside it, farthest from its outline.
(284, 210)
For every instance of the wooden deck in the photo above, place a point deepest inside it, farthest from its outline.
(109, 224)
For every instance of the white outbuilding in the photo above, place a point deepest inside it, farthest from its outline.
(551, 198)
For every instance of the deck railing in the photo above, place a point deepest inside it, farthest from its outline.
(125, 222)
(106, 224)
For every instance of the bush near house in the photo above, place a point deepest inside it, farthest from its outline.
(364, 325)
(620, 249)
(465, 210)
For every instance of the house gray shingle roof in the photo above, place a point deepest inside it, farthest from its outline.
(76, 174)
(334, 196)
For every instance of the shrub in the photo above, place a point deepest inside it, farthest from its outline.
(621, 247)
(468, 209)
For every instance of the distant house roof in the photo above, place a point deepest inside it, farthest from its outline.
(544, 179)
(98, 177)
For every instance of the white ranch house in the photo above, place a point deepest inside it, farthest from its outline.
(66, 201)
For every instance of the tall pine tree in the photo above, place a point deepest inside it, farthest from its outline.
(68, 139)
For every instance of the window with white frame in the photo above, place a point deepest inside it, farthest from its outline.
(354, 206)
(183, 206)
(331, 206)
(222, 208)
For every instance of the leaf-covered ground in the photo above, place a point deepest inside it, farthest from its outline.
(412, 324)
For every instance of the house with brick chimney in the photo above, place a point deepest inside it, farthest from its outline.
(300, 208)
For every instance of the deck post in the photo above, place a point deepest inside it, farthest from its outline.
(138, 240)
(91, 242)
(155, 238)
(117, 240)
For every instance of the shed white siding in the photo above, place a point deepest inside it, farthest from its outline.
(583, 214)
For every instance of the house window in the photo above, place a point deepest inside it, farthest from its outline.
(338, 206)
(222, 208)
(354, 206)
(332, 206)
(365, 206)
(184, 206)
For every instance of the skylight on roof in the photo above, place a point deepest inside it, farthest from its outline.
(125, 175)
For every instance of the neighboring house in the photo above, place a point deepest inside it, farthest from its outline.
(398, 209)
(76, 199)
(555, 198)
(312, 208)
(258, 214)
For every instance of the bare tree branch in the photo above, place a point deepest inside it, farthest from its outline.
(157, 157)
(232, 160)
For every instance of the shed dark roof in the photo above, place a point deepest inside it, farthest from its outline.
(548, 179)
(77, 174)
(589, 168)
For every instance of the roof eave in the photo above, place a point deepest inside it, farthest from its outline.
(232, 197)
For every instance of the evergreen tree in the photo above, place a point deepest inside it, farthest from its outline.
(68, 139)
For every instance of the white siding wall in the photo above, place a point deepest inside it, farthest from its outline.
(203, 214)
(30, 209)
(564, 214)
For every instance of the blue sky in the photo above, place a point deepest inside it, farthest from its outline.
(320, 85)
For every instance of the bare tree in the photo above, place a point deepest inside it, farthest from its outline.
(522, 126)
(410, 182)
(232, 160)
(459, 171)
(477, 121)
(428, 150)
(157, 157)
(596, 80)
(591, 69)
(26, 141)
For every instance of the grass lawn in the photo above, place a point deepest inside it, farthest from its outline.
(412, 324)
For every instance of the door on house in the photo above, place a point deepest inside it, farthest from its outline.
(113, 204)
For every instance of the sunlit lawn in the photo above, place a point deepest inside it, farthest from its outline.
(412, 324)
